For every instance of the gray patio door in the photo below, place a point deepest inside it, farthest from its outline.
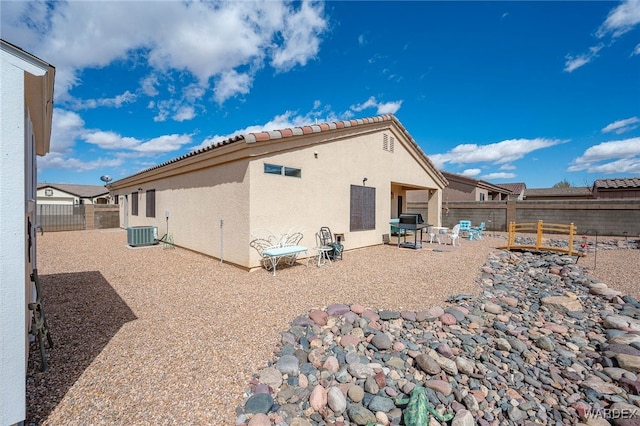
(125, 208)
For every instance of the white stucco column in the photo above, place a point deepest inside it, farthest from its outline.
(13, 303)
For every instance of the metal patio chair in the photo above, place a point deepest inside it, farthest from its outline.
(476, 233)
(326, 239)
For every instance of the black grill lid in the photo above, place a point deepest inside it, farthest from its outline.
(411, 218)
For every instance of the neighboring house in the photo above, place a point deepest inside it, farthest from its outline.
(516, 190)
(352, 176)
(26, 90)
(464, 188)
(569, 193)
(67, 194)
(617, 188)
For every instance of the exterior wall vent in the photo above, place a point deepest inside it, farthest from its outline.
(387, 142)
(142, 236)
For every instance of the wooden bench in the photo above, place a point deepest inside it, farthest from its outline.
(274, 254)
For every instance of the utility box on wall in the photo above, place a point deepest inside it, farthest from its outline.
(142, 236)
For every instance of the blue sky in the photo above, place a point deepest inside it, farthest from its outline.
(534, 92)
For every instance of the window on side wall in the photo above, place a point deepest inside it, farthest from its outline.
(481, 196)
(363, 208)
(274, 169)
(134, 203)
(151, 203)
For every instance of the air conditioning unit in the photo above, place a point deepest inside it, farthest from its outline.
(142, 236)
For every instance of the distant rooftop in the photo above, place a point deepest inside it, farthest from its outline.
(574, 191)
(83, 191)
(514, 188)
(633, 182)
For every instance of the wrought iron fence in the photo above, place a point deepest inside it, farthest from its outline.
(58, 217)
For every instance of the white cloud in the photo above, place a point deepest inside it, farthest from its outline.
(231, 83)
(205, 39)
(499, 175)
(572, 63)
(496, 153)
(115, 102)
(381, 108)
(471, 172)
(621, 156)
(622, 126)
(636, 51)
(148, 85)
(389, 107)
(507, 167)
(55, 160)
(165, 143)
(361, 40)
(625, 165)
(112, 140)
(66, 127)
(184, 113)
(301, 33)
(68, 131)
(621, 19)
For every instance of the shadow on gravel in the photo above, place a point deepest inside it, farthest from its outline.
(83, 313)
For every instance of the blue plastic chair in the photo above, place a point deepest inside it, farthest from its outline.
(476, 233)
(465, 228)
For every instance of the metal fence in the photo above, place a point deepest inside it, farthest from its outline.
(58, 217)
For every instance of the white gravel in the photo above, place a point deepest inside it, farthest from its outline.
(155, 336)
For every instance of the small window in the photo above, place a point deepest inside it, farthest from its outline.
(272, 169)
(151, 203)
(134, 203)
(290, 171)
(481, 196)
(48, 192)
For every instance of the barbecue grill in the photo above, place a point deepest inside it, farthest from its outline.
(411, 222)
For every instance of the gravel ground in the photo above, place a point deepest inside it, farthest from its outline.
(154, 336)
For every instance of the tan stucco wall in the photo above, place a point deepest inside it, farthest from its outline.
(197, 201)
(321, 197)
(229, 183)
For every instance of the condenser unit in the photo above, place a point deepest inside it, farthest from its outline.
(142, 236)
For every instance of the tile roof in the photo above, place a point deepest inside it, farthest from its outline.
(83, 191)
(557, 192)
(256, 137)
(514, 188)
(474, 181)
(617, 183)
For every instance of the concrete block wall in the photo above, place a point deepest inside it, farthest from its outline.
(611, 217)
(608, 217)
(105, 217)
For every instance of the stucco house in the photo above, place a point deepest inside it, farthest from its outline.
(516, 190)
(26, 90)
(465, 188)
(352, 176)
(70, 194)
